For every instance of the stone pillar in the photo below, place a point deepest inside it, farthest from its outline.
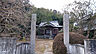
(90, 46)
(66, 30)
(33, 33)
(7, 43)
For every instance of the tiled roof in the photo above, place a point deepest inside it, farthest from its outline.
(50, 23)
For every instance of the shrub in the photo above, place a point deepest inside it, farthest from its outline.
(58, 44)
(76, 38)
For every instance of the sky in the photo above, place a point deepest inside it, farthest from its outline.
(51, 4)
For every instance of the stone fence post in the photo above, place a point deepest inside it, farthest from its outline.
(66, 30)
(33, 33)
(90, 46)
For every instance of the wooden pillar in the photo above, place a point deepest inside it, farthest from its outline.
(33, 33)
(50, 34)
(66, 30)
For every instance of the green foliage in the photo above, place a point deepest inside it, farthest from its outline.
(76, 27)
(38, 31)
(85, 33)
(47, 15)
(91, 34)
(71, 25)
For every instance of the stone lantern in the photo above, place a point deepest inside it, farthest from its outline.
(7, 43)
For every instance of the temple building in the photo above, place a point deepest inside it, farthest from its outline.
(49, 29)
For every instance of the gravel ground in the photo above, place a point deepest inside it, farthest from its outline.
(44, 46)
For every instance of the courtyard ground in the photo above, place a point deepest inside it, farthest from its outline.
(44, 46)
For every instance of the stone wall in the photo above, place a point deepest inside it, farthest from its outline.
(90, 46)
(76, 49)
(23, 48)
(9, 1)
(7, 44)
